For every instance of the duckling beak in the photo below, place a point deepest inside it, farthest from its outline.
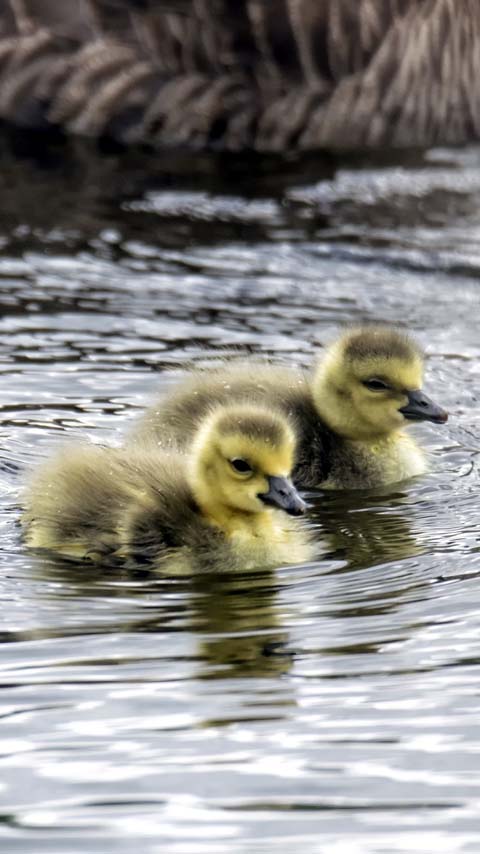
(421, 408)
(282, 494)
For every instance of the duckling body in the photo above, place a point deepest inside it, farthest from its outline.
(349, 435)
(144, 504)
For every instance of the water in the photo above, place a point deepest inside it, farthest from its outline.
(331, 707)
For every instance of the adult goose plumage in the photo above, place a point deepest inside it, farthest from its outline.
(268, 75)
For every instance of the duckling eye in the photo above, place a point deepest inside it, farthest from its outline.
(375, 384)
(241, 466)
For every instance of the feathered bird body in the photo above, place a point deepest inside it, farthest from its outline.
(270, 75)
(349, 434)
(192, 511)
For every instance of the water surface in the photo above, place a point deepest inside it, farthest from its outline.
(331, 707)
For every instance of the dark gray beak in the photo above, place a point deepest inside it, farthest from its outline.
(421, 408)
(282, 494)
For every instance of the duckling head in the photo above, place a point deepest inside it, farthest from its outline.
(369, 384)
(241, 461)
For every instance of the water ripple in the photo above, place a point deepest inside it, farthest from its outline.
(332, 704)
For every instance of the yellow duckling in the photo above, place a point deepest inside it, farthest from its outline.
(218, 505)
(349, 415)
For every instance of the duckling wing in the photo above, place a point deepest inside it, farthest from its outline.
(158, 519)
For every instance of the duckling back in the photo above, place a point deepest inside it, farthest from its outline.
(71, 499)
(93, 502)
(173, 420)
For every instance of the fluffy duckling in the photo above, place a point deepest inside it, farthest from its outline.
(217, 505)
(349, 415)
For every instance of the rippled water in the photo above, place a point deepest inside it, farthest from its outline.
(331, 707)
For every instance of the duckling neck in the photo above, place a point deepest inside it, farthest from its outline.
(398, 457)
(234, 522)
(360, 464)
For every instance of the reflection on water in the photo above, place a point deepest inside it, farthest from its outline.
(365, 529)
(331, 705)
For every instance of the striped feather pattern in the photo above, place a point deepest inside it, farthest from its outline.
(270, 75)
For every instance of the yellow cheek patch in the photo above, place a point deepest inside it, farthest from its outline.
(399, 374)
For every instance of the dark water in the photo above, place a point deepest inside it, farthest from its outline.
(328, 708)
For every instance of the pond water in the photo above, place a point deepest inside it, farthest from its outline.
(331, 707)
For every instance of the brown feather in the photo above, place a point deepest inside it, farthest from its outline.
(277, 75)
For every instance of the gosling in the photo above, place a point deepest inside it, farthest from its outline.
(349, 414)
(216, 506)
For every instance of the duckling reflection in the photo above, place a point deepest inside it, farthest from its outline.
(375, 530)
(240, 625)
(234, 618)
(349, 416)
(218, 505)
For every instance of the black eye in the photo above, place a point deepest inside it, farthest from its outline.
(241, 466)
(375, 384)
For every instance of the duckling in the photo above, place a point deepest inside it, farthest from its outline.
(349, 414)
(219, 504)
